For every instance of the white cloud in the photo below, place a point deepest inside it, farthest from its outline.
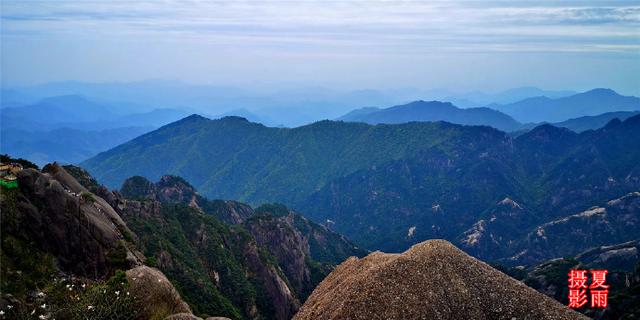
(440, 24)
(409, 43)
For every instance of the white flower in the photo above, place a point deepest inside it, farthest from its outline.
(83, 285)
(42, 317)
(127, 294)
(68, 285)
(89, 307)
(10, 306)
(117, 293)
(1, 312)
(40, 294)
(43, 306)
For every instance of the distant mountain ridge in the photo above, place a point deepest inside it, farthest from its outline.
(477, 98)
(72, 128)
(80, 113)
(64, 145)
(578, 112)
(589, 103)
(433, 111)
(594, 122)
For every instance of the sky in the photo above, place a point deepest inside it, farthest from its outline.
(457, 45)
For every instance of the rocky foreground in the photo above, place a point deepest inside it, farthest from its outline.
(431, 280)
(72, 249)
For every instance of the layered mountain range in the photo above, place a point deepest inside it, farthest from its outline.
(534, 202)
(71, 123)
(72, 128)
(589, 103)
(390, 186)
(578, 112)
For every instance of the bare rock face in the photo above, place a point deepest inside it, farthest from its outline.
(64, 219)
(495, 235)
(289, 246)
(229, 211)
(614, 222)
(432, 280)
(155, 295)
(279, 294)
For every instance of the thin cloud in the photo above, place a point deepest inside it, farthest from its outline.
(378, 23)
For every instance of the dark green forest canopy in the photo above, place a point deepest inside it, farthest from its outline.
(374, 183)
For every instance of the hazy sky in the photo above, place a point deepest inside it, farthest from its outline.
(460, 45)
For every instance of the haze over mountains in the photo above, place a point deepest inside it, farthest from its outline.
(72, 128)
(434, 111)
(590, 103)
(514, 116)
(275, 105)
(72, 121)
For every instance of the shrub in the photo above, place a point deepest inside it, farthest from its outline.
(87, 197)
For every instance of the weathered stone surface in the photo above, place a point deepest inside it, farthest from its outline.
(432, 280)
(154, 294)
(79, 228)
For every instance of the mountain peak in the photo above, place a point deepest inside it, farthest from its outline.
(414, 283)
(602, 91)
(613, 123)
(234, 119)
(592, 102)
(548, 132)
(195, 117)
(431, 103)
(433, 111)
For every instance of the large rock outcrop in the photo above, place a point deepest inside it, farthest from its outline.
(154, 293)
(433, 280)
(62, 218)
(305, 251)
(78, 236)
